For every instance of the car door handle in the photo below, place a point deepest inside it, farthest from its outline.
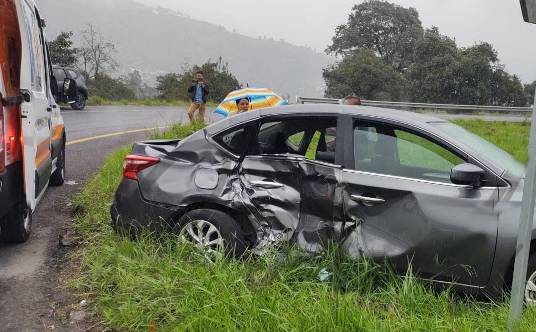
(368, 200)
(266, 184)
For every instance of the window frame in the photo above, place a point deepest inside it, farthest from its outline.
(257, 123)
(492, 180)
(339, 152)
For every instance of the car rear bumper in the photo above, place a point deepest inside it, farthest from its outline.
(11, 188)
(132, 214)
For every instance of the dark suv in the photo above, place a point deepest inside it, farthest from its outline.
(65, 89)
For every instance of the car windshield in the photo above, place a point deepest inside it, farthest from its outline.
(503, 159)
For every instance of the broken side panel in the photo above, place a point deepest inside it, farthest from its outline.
(320, 221)
(272, 185)
(407, 220)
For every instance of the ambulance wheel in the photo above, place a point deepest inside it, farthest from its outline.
(58, 177)
(17, 225)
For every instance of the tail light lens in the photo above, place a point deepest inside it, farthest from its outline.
(134, 164)
(2, 141)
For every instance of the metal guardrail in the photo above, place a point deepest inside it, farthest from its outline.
(420, 106)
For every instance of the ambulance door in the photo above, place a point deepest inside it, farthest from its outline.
(35, 110)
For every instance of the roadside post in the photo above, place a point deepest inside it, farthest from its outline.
(528, 8)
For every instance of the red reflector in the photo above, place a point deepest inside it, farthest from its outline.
(12, 138)
(134, 164)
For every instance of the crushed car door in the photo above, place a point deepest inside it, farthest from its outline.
(286, 178)
(412, 214)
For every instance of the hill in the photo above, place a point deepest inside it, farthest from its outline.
(156, 41)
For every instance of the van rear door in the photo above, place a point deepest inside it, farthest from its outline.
(35, 111)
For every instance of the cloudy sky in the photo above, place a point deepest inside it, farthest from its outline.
(313, 22)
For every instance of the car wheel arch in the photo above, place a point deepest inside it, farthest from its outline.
(508, 277)
(241, 218)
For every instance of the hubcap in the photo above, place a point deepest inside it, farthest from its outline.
(203, 234)
(530, 290)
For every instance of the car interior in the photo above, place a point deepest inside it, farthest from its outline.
(312, 138)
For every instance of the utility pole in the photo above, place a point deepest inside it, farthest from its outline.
(528, 8)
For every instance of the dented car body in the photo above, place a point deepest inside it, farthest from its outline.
(384, 184)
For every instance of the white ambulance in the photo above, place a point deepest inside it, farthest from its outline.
(32, 133)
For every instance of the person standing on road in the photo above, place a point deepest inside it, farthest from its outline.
(198, 93)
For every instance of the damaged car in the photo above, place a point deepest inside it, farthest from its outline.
(410, 189)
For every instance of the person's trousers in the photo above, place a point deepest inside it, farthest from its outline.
(194, 107)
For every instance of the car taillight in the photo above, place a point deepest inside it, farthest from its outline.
(2, 143)
(133, 164)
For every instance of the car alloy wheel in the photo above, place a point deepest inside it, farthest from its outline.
(203, 235)
(530, 290)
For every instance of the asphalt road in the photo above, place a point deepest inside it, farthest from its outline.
(30, 296)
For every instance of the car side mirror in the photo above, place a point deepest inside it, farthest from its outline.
(528, 8)
(467, 174)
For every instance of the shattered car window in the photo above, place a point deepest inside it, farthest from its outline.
(387, 150)
(312, 138)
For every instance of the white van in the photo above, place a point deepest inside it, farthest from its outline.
(32, 132)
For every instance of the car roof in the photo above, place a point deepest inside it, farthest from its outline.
(421, 120)
(417, 120)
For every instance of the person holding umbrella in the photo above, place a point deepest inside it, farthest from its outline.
(248, 99)
(198, 93)
(242, 105)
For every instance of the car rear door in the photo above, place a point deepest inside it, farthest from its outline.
(36, 122)
(398, 184)
(289, 173)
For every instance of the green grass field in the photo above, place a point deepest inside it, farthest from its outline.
(99, 101)
(157, 282)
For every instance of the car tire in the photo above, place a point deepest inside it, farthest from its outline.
(219, 232)
(17, 226)
(80, 102)
(58, 177)
(530, 286)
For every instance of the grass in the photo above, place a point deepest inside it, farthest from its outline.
(158, 283)
(99, 101)
(509, 136)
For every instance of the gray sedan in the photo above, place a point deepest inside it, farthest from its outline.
(390, 185)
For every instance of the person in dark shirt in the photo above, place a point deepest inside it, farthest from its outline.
(198, 93)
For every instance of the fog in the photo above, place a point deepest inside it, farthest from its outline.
(312, 23)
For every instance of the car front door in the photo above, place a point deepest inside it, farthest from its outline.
(411, 213)
(290, 176)
(36, 123)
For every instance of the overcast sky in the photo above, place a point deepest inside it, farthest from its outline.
(313, 22)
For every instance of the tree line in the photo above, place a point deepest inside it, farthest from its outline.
(95, 58)
(386, 54)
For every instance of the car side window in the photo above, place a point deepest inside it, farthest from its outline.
(313, 138)
(233, 140)
(394, 151)
(60, 75)
(72, 73)
(35, 49)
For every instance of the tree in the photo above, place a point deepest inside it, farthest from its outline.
(217, 75)
(391, 31)
(432, 75)
(529, 92)
(96, 53)
(168, 87)
(61, 50)
(362, 73)
(109, 88)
